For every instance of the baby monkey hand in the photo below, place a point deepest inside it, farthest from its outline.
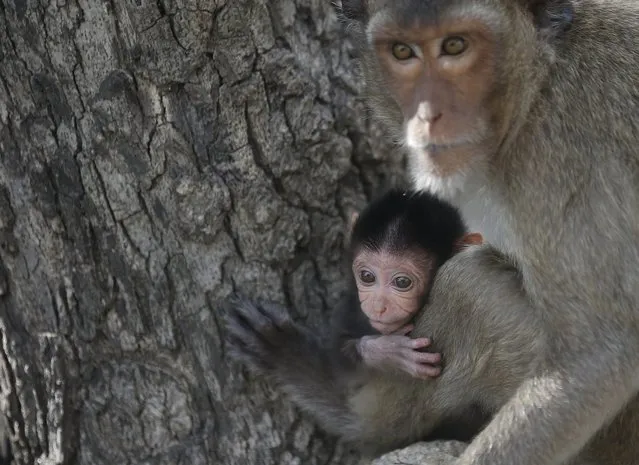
(398, 352)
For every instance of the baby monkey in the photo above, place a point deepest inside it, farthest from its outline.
(396, 244)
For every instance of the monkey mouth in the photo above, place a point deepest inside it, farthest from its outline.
(387, 327)
(435, 149)
(434, 146)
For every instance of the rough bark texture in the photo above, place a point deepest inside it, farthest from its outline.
(154, 157)
(421, 453)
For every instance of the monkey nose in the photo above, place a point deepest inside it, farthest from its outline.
(434, 119)
(427, 114)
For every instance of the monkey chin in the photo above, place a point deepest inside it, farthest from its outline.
(388, 328)
(446, 170)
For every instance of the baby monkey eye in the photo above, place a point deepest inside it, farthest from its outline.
(366, 277)
(403, 283)
(402, 51)
(454, 45)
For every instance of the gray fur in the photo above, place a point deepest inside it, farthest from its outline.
(560, 194)
(379, 411)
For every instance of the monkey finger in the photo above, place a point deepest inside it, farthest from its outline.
(418, 343)
(238, 344)
(236, 348)
(418, 370)
(427, 371)
(427, 357)
(255, 325)
(255, 317)
(284, 326)
(244, 355)
(277, 323)
(239, 326)
(238, 329)
(276, 313)
(233, 324)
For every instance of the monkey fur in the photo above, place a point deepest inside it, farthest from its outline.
(378, 411)
(525, 114)
(489, 354)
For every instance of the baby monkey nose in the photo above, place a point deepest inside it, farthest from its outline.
(382, 308)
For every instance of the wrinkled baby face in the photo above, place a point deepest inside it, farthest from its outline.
(391, 286)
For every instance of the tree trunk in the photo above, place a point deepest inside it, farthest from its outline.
(156, 156)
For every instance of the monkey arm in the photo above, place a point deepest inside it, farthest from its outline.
(347, 327)
(542, 424)
(550, 404)
(589, 375)
(269, 343)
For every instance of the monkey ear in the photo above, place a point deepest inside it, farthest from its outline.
(553, 17)
(354, 10)
(352, 220)
(351, 223)
(467, 239)
(349, 228)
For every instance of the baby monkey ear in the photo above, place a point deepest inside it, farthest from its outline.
(354, 10)
(350, 224)
(467, 239)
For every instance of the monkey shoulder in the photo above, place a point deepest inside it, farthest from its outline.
(479, 293)
(476, 267)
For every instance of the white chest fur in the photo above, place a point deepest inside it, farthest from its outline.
(484, 213)
(482, 209)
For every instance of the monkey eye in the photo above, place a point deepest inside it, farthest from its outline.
(403, 283)
(366, 277)
(402, 51)
(454, 45)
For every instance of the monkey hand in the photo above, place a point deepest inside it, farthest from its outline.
(398, 352)
(261, 337)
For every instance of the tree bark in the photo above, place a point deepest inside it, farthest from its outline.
(155, 157)
(431, 453)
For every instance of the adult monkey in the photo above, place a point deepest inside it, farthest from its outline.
(525, 114)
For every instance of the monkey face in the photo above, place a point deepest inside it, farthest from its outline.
(391, 287)
(441, 83)
(440, 75)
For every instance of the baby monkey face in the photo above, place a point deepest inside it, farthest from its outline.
(391, 286)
